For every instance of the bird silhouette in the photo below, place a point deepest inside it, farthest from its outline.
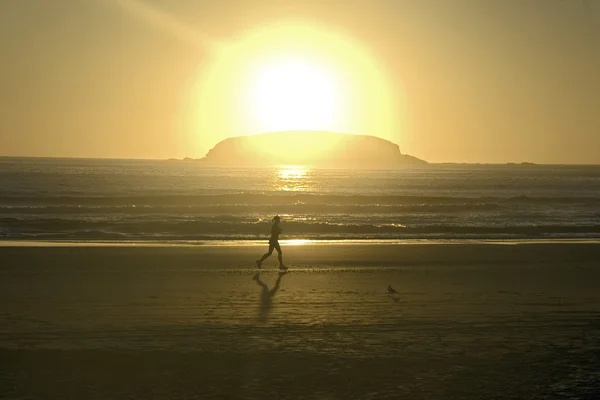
(391, 290)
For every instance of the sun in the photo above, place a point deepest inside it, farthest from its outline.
(295, 93)
(291, 77)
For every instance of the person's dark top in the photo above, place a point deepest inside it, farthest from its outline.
(275, 231)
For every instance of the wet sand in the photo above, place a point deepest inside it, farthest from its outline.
(469, 321)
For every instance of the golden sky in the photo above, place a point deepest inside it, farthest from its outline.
(458, 81)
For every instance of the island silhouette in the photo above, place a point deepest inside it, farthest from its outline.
(314, 148)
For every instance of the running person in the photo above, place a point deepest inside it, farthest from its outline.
(274, 244)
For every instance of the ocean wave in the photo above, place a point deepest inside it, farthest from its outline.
(84, 229)
(253, 199)
(266, 209)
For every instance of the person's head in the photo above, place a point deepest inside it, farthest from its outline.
(276, 219)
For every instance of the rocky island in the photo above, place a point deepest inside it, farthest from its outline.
(314, 148)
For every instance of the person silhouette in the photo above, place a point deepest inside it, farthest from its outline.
(274, 244)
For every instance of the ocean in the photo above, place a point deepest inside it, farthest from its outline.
(177, 201)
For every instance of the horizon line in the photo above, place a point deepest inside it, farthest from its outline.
(531, 163)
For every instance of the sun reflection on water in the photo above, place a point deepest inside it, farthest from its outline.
(292, 178)
(297, 242)
(292, 171)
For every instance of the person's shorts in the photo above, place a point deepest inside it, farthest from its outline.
(274, 244)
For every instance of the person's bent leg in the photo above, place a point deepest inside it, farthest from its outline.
(266, 255)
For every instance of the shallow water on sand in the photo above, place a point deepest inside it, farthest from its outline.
(325, 332)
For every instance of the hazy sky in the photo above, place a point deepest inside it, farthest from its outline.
(481, 80)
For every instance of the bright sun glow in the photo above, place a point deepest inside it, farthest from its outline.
(296, 93)
(291, 76)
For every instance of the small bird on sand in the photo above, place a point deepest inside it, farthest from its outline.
(391, 290)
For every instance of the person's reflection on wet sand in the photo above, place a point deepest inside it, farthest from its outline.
(266, 295)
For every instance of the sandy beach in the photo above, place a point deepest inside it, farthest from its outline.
(469, 320)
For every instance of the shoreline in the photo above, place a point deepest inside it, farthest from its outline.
(290, 242)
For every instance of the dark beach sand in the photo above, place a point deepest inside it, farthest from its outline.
(469, 321)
